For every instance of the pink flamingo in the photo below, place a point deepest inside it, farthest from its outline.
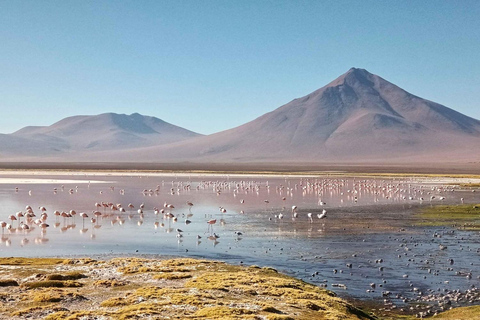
(3, 224)
(211, 222)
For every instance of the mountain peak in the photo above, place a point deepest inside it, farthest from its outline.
(353, 77)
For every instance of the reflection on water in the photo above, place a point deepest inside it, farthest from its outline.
(352, 235)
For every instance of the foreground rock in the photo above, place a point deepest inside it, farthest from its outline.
(135, 288)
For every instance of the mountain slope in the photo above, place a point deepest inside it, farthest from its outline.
(358, 116)
(105, 131)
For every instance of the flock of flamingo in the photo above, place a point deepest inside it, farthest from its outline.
(287, 202)
(27, 220)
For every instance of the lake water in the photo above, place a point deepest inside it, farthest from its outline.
(368, 243)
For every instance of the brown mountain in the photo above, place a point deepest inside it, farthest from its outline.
(81, 135)
(357, 117)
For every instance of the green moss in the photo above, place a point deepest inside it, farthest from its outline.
(466, 215)
(465, 313)
(469, 185)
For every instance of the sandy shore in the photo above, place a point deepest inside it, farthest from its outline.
(288, 167)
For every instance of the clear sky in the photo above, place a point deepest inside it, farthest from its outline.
(212, 65)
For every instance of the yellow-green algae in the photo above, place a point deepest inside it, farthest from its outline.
(465, 216)
(464, 313)
(15, 261)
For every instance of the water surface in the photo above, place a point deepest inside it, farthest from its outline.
(367, 245)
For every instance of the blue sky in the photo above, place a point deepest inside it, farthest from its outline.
(213, 65)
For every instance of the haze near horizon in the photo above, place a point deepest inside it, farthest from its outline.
(213, 65)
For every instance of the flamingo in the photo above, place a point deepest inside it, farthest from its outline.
(44, 226)
(3, 224)
(84, 216)
(19, 215)
(97, 214)
(211, 222)
(309, 215)
(65, 215)
(12, 218)
(24, 227)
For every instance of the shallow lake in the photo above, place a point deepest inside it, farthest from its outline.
(367, 244)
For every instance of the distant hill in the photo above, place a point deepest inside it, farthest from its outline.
(357, 118)
(108, 131)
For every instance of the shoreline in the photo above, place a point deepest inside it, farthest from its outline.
(126, 286)
(445, 178)
(470, 168)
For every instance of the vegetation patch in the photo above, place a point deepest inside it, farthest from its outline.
(216, 312)
(54, 295)
(29, 312)
(68, 276)
(84, 261)
(52, 284)
(196, 289)
(470, 185)
(172, 276)
(465, 313)
(109, 283)
(116, 302)
(466, 216)
(8, 283)
(14, 261)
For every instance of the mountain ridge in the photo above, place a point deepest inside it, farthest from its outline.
(106, 131)
(356, 117)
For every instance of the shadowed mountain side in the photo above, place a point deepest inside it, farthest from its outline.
(106, 131)
(12, 147)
